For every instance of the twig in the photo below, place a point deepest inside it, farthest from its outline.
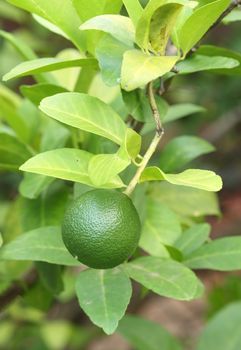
(17, 289)
(151, 149)
(231, 7)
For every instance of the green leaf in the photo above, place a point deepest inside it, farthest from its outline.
(36, 93)
(139, 68)
(11, 13)
(134, 10)
(161, 227)
(32, 185)
(191, 201)
(91, 8)
(197, 63)
(211, 51)
(104, 296)
(138, 107)
(42, 244)
(64, 16)
(182, 150)
(86, 113)
(109, 52)
(20, 46)
(192, 238)
(55, 135)
(10, 113)
(50, 276)
(68, 77)
(156, 23)
(199, 22)
(103, 168)
(201, 179)
(120, 27)
(165, 277)
(223, 254)
(233, 16)
(146, 335)
(50, 26)
(223, 331)
(12, 152)
(47, 210)
(132, 143)
(181, 110)
(1, 240)
(47, 65)
(67, 164)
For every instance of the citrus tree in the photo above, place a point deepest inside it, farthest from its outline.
(100, 199)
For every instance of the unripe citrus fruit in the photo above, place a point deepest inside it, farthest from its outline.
(101, 228)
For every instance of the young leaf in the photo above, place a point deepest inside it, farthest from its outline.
(12, 152)
(165, 277)
(182, 150)
(104, 296)
(36, 93)
(42, 244)
(120, 27)
(161, 227)
(198, 63)
(103, 168)
(194, 202)
(139, 68)
(64, 17)
(47, 65)
(193, 238)
(199, 22)
(146, 335)
(86, 113)
(201, 179)
(109, 52)
(222, 332)
(181, 110)
(223, 254)
(134, 9)
(67, 164)
(132, 143)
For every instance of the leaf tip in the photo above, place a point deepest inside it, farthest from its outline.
(5, 77)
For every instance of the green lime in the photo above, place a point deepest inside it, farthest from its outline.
(101, 228)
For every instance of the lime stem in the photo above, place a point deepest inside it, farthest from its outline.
(151, 149)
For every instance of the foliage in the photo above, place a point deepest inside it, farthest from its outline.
(92, 130)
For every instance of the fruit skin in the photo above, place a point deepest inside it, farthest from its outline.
(101, 228)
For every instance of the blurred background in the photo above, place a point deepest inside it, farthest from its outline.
(25, 324)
